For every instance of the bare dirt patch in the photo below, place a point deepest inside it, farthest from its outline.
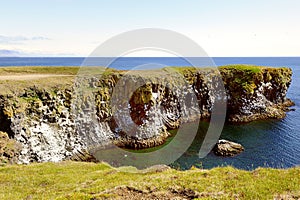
(132, 193)
(127, 192)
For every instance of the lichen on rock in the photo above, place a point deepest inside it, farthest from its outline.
(256, 92)
(134, 110)
(9, 149)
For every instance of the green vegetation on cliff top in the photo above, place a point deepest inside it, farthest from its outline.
(38, 70)
(250, 68)
(72, 180)
(15, 79)
(74, 70)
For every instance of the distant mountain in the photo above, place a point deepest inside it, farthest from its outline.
(9, 53)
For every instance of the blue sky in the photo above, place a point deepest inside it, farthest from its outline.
(221, 28)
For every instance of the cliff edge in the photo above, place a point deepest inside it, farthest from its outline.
(60, 114)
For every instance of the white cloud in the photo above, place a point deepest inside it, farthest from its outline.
(19, 39)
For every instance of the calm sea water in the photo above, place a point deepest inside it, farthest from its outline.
(130, 63)
(272, 143)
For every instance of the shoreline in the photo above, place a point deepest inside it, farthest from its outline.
(32, 108)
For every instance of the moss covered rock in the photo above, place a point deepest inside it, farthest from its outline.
(255, 92)
(9, 149)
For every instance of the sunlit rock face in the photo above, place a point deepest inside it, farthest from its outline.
(135, 109)
(256, 93)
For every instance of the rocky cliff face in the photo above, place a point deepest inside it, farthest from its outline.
(256, 93)
(134, 110)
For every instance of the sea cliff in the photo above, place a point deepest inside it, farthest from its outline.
(65, 114)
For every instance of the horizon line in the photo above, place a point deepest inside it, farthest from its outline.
(150, 57)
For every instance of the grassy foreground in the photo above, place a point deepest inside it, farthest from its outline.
(73, 180)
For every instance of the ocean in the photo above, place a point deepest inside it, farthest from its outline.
(271, 143)
(127, 63)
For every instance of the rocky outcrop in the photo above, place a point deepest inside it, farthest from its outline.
(256, 93)
(40, 121)
(134, 110)
(227, 148)
(9, 149)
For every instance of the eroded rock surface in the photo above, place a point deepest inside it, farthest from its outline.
(9, 149)
(63, 123)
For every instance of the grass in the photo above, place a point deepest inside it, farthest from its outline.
(73, 180)
(55, 70)
(250, 68)
(17, 86)
(59, 77)
(38, 70)
(74, 70)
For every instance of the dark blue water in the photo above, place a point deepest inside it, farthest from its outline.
(272, 143)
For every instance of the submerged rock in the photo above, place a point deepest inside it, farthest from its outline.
(227, 148)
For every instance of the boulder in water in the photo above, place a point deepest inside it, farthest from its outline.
(227, 148)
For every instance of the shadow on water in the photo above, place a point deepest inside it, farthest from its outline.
(266, 144)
